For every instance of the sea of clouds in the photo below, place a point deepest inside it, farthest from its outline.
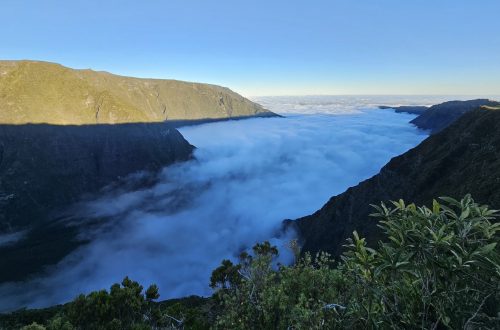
(348, 104)
(246, 178)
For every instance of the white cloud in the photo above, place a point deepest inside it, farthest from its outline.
(348, 104)
(247, 177)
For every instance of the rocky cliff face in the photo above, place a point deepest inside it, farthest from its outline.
(463, 158)
(441, 115)
(44, 168)
(41, 92)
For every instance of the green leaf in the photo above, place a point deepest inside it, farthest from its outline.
(399, 264)
(435, 207)
(450, 200)
(488, 248)
(465, 213)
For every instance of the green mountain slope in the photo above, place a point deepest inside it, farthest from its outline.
(42, 92)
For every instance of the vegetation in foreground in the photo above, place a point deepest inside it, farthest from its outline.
(438, 268)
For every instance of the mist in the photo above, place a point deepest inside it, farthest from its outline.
(246, 178)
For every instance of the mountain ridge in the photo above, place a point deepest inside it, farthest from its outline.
(439, 116)
(412, 109)
(45, 92)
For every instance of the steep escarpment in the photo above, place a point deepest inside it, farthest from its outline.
(45, 168)
(42, 92)
(441, 115)
(463, 158)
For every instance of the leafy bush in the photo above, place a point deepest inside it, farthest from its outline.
(439, 268)
(33, 326)
(125, 306)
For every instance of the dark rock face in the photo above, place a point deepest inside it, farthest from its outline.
(413, 109)
(441, 115)
(47, 167)
(463, 158)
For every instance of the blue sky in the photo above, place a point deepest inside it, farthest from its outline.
(270, 47)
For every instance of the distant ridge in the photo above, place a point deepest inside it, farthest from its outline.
(439, 116)
(43, 92)
(413, 109)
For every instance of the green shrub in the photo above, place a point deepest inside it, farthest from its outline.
(125, 306)
(33, 326)
(438, 268)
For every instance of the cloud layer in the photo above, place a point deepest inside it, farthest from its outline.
(348, 104)
(247, 177)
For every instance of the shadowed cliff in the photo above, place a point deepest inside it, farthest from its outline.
(42, 92)
(463, 158)
(44, 168)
